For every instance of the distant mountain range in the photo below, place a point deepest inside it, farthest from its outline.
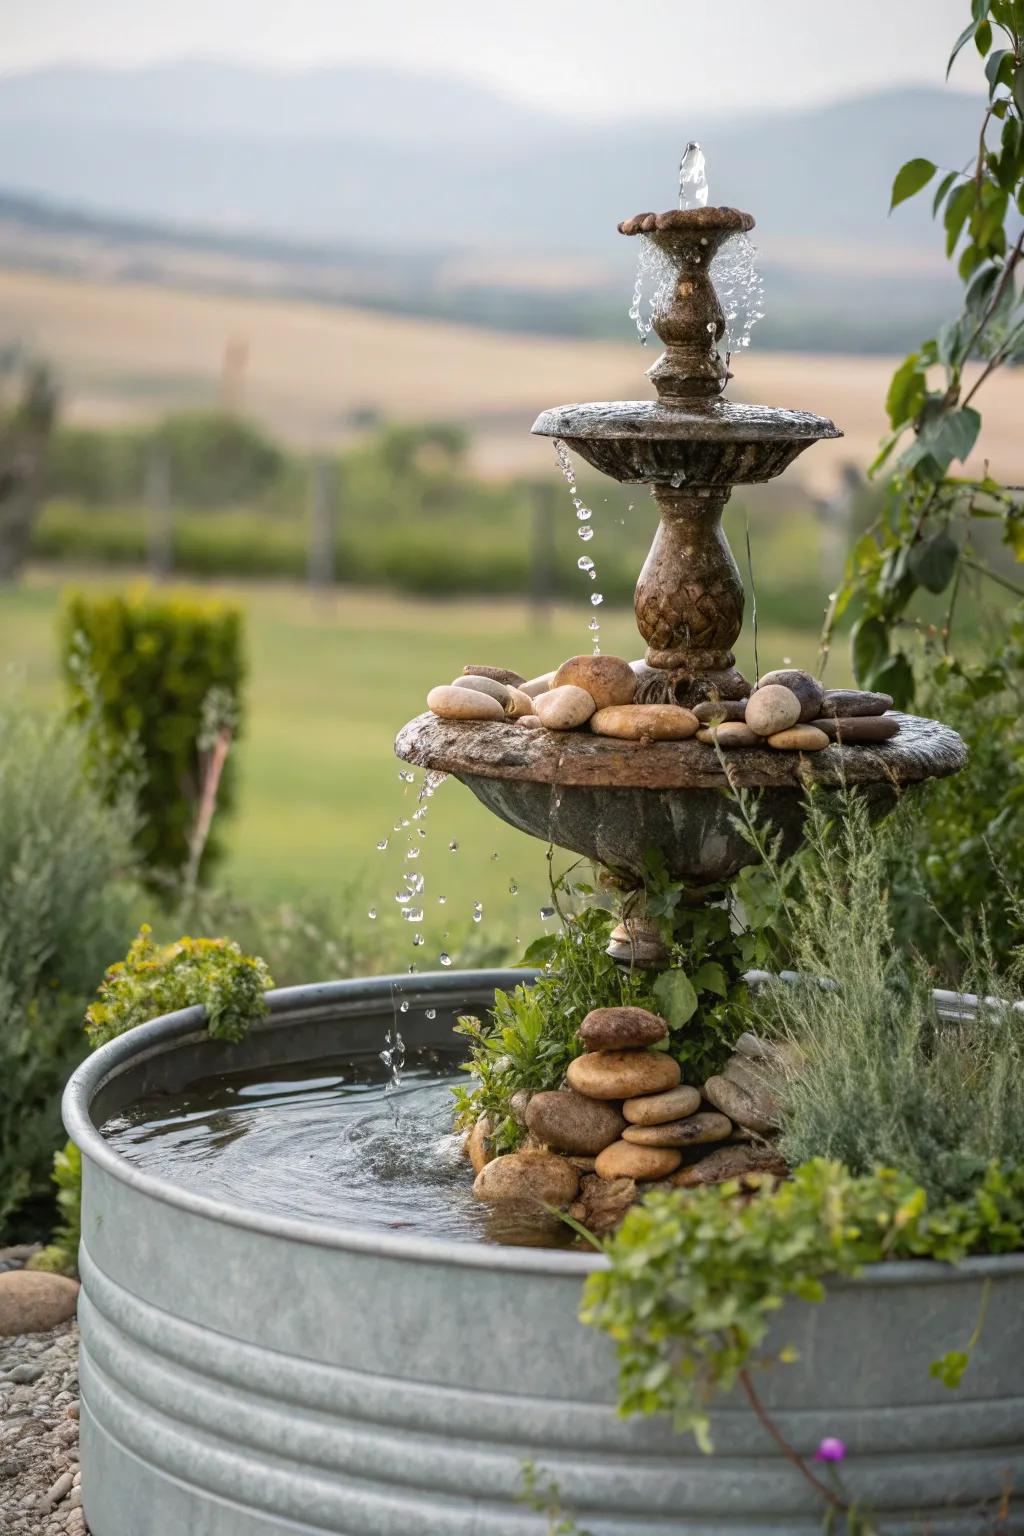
(438, 192)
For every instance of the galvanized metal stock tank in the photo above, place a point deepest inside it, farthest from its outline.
(244, 1375)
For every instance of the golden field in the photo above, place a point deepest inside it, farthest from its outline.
(129, 352)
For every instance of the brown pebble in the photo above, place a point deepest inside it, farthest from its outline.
(799, 738)
(645, 722)
(691, 1132)
(527, 1176)
(731, 733)
(807, 689)
(846, 702)
(478, 1144)
(622, 1160)
(608, 679)
(532, 722)
(720, 709)
(657, 1108)
(463, 703)
(571, 1122)
(622, 1074)
(733, 1162)
(859, 728)
(499, 674)
(621, 1029)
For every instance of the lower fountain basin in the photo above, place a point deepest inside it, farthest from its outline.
(246, 1373)
(612, 800)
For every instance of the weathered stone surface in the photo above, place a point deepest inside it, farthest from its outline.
(709, 710)
(659, 1108)
(608, 679)
(500, 675)
(621, 1029)
(604, 1202)
(730, 734)
(478, 1144)
(799, 738)
(622, 1074)
(645, 722)
(32, 1301)
(691, 1132)
(845, 703)
(527, 1177)
(733, 1162)
(480, 684)
(772, 709)
(756, 1111)
(622, 1160)
(564, 708)
(450, 703)
(858, 728)
(807, 688)
(570, 1122)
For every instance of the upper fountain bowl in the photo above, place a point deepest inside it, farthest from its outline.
(709, 442)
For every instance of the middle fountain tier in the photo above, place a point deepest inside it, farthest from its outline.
(613, 800)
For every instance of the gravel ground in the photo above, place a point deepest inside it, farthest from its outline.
(39, 1476)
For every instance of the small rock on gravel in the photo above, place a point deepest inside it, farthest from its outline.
(32, 1301)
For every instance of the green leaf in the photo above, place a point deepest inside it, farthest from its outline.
(896, 676)
(943, 187)
(906, 391)
(676, 997)
(910, 178)
(1018, 88)
(983, 37)
(964, 38)
(869, 644)
(950, 1367)
(710, 977)
(957, 209)
(933, 561)
(956, 433)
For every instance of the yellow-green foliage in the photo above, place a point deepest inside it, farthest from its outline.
(154, 979)
(141, 667)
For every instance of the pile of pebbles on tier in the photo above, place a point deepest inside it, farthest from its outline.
(40, 1493)
(788, 710)
(625, 1119)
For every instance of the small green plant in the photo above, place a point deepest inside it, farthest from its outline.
(140, 668)
(696, 1277)
(155, 979)
(60, 1256)
(542, 1494)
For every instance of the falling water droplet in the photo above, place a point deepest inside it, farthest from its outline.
(431, 1013)
(382, 844)
(413, 914)
(597, 598)
(406, 775)
(453, 846)
(441, 900)
(585, 563)
(403, 1008)
(417, 938)
(478, 911)
(594, 625)
(585, 533)
(513, 888)
(546, 914)
(402, 897)
(445, 958)
(372, 914)
(412, 853)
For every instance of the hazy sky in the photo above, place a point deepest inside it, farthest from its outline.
(598, 57)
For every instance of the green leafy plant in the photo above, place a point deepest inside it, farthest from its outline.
(60, 1256)
(68, 902)
(695, 1278)
(141, 668)
(155, 979)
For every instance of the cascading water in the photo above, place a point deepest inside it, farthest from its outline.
(585, 532)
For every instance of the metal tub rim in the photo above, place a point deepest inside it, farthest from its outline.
(306, 1002)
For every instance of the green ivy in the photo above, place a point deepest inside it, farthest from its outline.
(156, 979)
(696, 1277)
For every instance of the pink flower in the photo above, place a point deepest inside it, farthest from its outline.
(830, 1449)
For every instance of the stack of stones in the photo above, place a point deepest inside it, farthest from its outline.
(789, 710)
(625, 1119)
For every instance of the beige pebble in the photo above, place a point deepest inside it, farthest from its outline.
(569, 1122)
(690, 1132)
(608, 679)
(622, 1160)
(645, 722)
(772, 709)
(806, 687)
(532, 1176)
(859, 728)
(564, 708)
(518, 704)
(533, 721)
(450, 703)
(731, 733)
(535, 685)
(486, 685)
(622, 1074)
(656, 1108)
(799, 738)
(720, 709)
(478, 1144)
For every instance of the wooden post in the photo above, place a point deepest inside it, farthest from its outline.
(159, 513)
(322, 511)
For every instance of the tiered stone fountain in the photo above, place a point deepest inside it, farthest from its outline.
(611, 800)
(248, 1373)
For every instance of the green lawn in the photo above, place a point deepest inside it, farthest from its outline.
(331, 681)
